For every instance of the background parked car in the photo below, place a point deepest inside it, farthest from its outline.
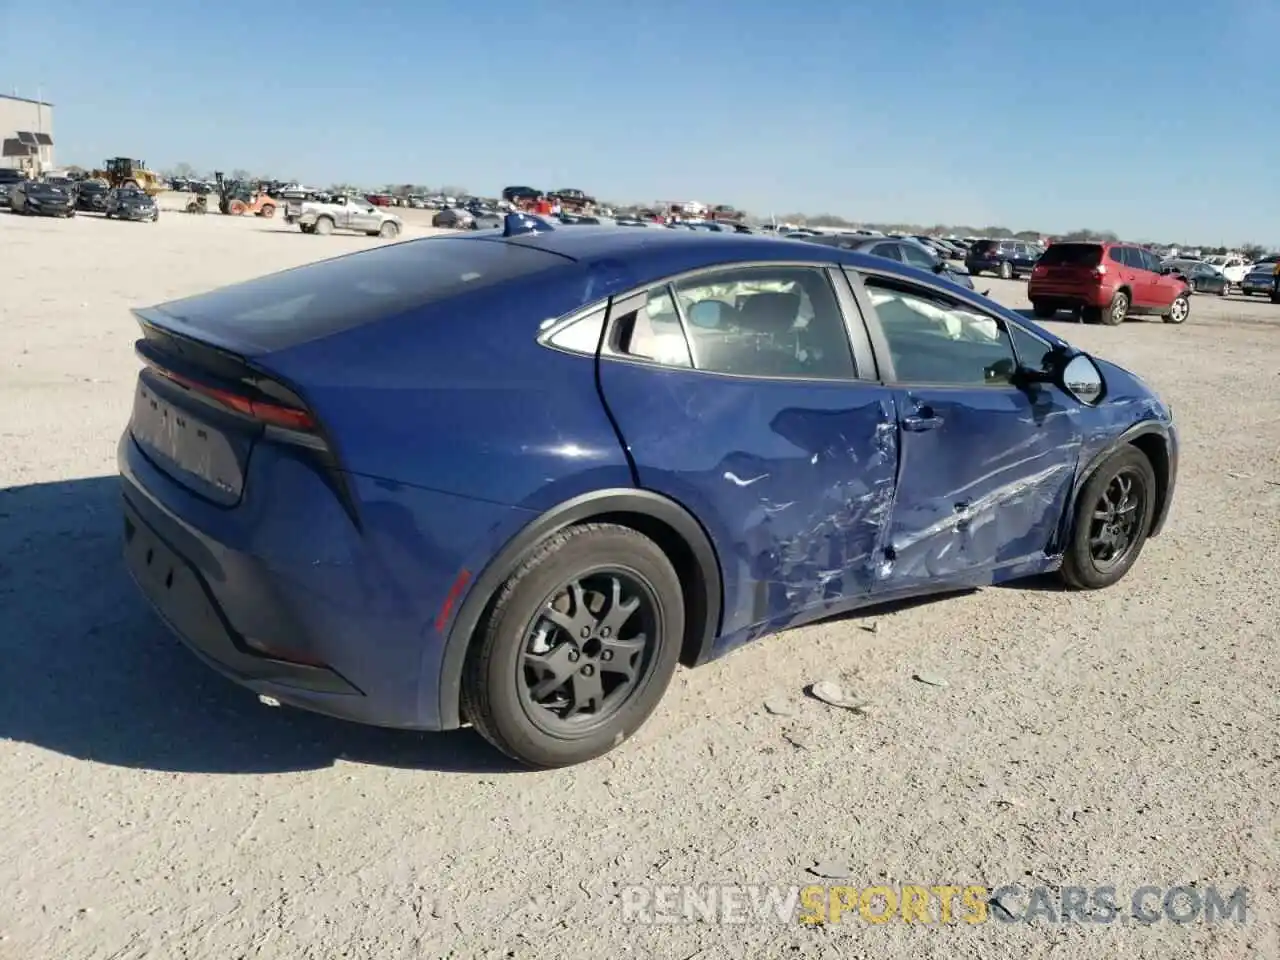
(1261, 278)
(454, 218)
(91, 196)
(1202, 277)
(9, 178)
(47, 198)
(1233, 268)
(1107, 283)
(897, 250)
(1007, 258)
(130, 203)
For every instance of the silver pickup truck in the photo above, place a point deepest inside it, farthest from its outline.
(344, 213)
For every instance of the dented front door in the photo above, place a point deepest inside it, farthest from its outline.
(985, 476)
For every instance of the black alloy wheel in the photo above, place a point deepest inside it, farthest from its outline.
(577, 648)
(586, 649)
(1116, 515)
(1113, 516)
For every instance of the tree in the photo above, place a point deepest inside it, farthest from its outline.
(241, 174)
(1252, 251)
(455, 191)
(183, 170)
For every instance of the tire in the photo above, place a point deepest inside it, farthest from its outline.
(267, 211)
(323, 226)
(496, 696)
(1042, 310)
(1179, 310)
(1081, 569)
(1226, 289)
(389, 231)
(1118, 311)
(1006, 270)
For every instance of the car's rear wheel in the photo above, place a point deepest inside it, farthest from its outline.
(578, 648)
(1113, 517)
(1043, 309)
(1179, 310)
(1118, 311)
(1006, 271)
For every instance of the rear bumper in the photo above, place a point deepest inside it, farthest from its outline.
(1069, 294)
(183, 599)
(285, 595)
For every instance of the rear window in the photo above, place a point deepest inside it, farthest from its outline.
(306, 303)
(1072, 255)
(985, 246)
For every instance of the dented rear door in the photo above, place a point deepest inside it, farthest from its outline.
(792, 476)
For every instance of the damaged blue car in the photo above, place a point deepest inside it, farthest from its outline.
(512, 479)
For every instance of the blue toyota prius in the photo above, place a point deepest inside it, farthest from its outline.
(513, 478)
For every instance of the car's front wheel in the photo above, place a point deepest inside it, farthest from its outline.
(1179, 310)
(1006, 270)
(578, 648)
(1113, 517)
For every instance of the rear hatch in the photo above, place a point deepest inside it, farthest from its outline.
(1069, 263)
(213, 388)
(984, 250)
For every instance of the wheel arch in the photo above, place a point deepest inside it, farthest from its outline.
(1151, 437)
(679, 534)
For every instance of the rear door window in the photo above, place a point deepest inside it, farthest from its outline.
(887, 250)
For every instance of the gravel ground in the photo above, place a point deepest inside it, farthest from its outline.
(152, 809)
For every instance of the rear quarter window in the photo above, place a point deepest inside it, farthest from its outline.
(320, 299)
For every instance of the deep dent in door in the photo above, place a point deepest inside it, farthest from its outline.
(1003, 523)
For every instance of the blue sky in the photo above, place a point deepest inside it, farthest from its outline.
(1153, 118)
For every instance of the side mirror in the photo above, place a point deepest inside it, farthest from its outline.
(1068, 370)
(1081, 378)
(939, 267)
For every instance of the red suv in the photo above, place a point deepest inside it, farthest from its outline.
(1107, 283)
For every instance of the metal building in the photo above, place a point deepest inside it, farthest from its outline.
(26, 133)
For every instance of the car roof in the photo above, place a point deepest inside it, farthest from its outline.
(625, 258)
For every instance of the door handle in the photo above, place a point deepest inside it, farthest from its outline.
(922, 421)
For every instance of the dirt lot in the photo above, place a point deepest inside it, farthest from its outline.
(152, 809)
